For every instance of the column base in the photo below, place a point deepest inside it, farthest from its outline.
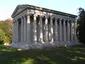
(41, 45)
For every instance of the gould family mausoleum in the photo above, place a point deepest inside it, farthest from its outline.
(36, 27)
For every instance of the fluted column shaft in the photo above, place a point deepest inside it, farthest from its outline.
(68, 30)
(71, 32)
(64, 23)
(17, 31)
(28, 36)
(35, 28)
(25, 29)
(60, 26)
(56, 30)
(41, 32)
(62, 30)
(46, 29)
(51, 29)
(22, 31)
(38, 29)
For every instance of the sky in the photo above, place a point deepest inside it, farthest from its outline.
(69, 6)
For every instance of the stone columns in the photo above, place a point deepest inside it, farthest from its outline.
(51, 29)
(54, 36)
(71, 32)
(41, 32)
(64, 26)
(17, 32)
(68, 30)
(38, 28)
(46, 29)
(25, 29)
(60, 28)
(35, 28)
(28, 29)
(21, 30)
(56, 30)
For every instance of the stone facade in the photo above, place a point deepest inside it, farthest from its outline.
(36, 27)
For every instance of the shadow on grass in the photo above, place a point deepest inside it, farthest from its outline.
(58, 55)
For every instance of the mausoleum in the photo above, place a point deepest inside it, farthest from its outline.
(37, 27)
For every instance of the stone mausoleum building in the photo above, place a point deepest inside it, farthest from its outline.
(36, 27)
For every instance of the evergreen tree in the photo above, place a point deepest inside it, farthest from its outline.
(81, 26)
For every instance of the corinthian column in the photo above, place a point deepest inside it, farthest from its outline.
(22, 34)
(25, 29)
(71, 32)
(28, 29)
(17, 31)
(68, 30)
(60, 26)
(46, 29)
(41, 32)
(51, 29)
(35, 28)
(64, 23)
(56, 30)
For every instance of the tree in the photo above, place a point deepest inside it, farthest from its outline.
(6, 31)
(2, 36)
(81, 26)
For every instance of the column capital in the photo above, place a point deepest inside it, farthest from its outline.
(60, 19)
(28, 18)
(41, 16)
(28, 15)
(67, 21)
(51, 17)
(64, 21)
(21, 18)
(35, 15)
(56, 18)
(46, 16)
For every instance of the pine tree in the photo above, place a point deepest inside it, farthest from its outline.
(81, 26)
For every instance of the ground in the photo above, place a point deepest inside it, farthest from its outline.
(58, 55)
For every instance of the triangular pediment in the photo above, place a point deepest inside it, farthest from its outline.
(17, 10)
(20, 8)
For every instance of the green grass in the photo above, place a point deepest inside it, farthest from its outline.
(58, 55)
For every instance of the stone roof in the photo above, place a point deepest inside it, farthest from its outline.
(23, 7)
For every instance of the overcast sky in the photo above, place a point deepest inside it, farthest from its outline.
(69, 6)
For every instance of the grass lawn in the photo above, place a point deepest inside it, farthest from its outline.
(58, 55)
